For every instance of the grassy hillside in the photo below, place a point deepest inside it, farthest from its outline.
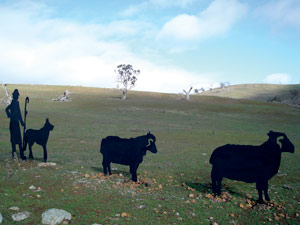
(174, 184)
(259, 92)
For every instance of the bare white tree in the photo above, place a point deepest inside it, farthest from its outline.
(127, 76)
(6, 100)
(63, 98)
(187, 94)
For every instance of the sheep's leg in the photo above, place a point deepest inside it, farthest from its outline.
(45, 153)
(133, 169)
(213, 181)
(219, 185)
(104, 167)
(109, 169)
(259, 188)
(266, 187)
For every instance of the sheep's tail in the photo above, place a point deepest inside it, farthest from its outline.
(212, 158)
(218, 152)
(101, 145)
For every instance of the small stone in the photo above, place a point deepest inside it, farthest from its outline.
(124, 214)
(289, 187)
(14, 208)
(282, 174)
(55, 216)
(1, 218)
(191, 195)
(20, 216)
(32, 187)
(142, 206)
(48, 164)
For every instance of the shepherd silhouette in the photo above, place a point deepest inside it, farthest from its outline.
(14, 113)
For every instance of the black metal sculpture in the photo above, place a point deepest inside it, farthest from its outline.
(25, 115)
(251, 164)
(126, 151)
(38, 136)
(14, 113)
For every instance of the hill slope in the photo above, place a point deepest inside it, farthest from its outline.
(174, 187)
(286, 94)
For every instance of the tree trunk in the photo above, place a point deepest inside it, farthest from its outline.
(124, 92)
(188, 96)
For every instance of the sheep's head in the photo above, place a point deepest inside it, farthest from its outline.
(275, 135)
(151, 143)
(286, 145)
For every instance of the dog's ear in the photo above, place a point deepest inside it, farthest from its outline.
(47, 120)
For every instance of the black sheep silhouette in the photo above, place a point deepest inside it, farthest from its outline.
(126, 151)
(40, 137)
(251, 164)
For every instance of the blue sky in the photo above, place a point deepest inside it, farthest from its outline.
(175, 43)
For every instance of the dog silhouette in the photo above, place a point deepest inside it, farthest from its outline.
(38, 136)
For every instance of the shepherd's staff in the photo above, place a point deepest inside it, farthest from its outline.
(25, 114)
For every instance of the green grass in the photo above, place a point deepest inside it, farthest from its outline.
(186, 133)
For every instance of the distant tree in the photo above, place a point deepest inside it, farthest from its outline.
(127, 76)
(225, 84)
(187, 94)
(222, 85)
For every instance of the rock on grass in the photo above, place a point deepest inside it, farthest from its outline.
(48, 164)
(55, 216)
(1, 218)
(14, 208)
(20, 216)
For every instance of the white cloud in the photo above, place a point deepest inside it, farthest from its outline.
(281, 12)
(277, 78)
(170, 3)
(158, 4)
(217, 19)
(54, 51)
